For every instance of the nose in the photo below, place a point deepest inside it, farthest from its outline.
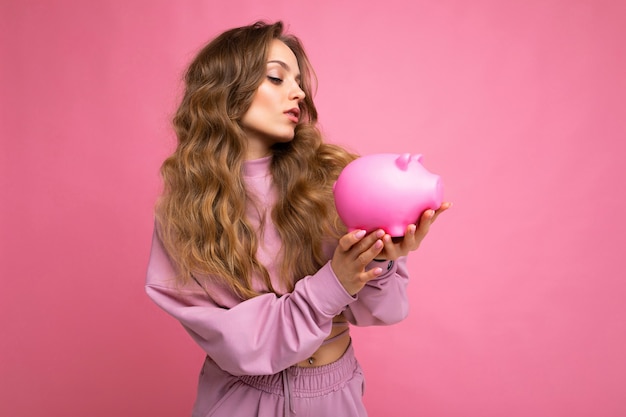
(297, 93)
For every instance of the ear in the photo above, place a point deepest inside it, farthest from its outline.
(403, 160)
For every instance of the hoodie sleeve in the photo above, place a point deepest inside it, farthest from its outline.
(259, 336)
(383, 300)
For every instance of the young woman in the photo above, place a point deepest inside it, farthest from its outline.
(248, 252)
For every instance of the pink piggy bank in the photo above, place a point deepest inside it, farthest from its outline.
(386, 191)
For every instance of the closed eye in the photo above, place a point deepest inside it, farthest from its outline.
(274, 80)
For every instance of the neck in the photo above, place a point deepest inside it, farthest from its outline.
(256, 149)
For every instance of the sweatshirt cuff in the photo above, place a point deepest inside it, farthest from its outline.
(327, 293)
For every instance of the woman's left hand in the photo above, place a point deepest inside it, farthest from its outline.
(413, 236)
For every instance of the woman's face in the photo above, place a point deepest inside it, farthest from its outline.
(274, 112)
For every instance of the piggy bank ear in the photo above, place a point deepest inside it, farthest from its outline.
(417, 157)
(403, 161)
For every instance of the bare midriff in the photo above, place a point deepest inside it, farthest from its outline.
(331, 351)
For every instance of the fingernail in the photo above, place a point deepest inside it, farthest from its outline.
(378, 271)
(378, 244)
(359, 234)
(380, 233)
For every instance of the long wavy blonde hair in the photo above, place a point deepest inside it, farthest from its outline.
(201, 214)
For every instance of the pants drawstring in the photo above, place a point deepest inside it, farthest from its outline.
(289, 408)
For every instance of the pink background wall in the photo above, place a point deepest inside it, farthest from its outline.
(518, 295)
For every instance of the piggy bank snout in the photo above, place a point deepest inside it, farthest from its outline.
(437, 191)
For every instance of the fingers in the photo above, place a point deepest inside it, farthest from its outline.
(370, 252)
(355, 284)
(400, 246)
(424, 223)
(445, 206)
(365, 276)
(350, 239)
(429, 217)
(409, 235)
(413, 235)
(359, 243)
(357, 249)
(371, 274)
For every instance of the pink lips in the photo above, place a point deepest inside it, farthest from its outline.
(293, 114)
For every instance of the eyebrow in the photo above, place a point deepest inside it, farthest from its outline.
(284, 65)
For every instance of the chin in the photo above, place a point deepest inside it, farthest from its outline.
(287, 137)
(281, 142)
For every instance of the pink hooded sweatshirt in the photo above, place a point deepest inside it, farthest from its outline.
(268, 333)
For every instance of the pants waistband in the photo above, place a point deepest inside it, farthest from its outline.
(307, 382)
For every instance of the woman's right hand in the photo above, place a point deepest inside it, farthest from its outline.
(355, 250)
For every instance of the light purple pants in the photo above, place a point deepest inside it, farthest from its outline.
(331, 390)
